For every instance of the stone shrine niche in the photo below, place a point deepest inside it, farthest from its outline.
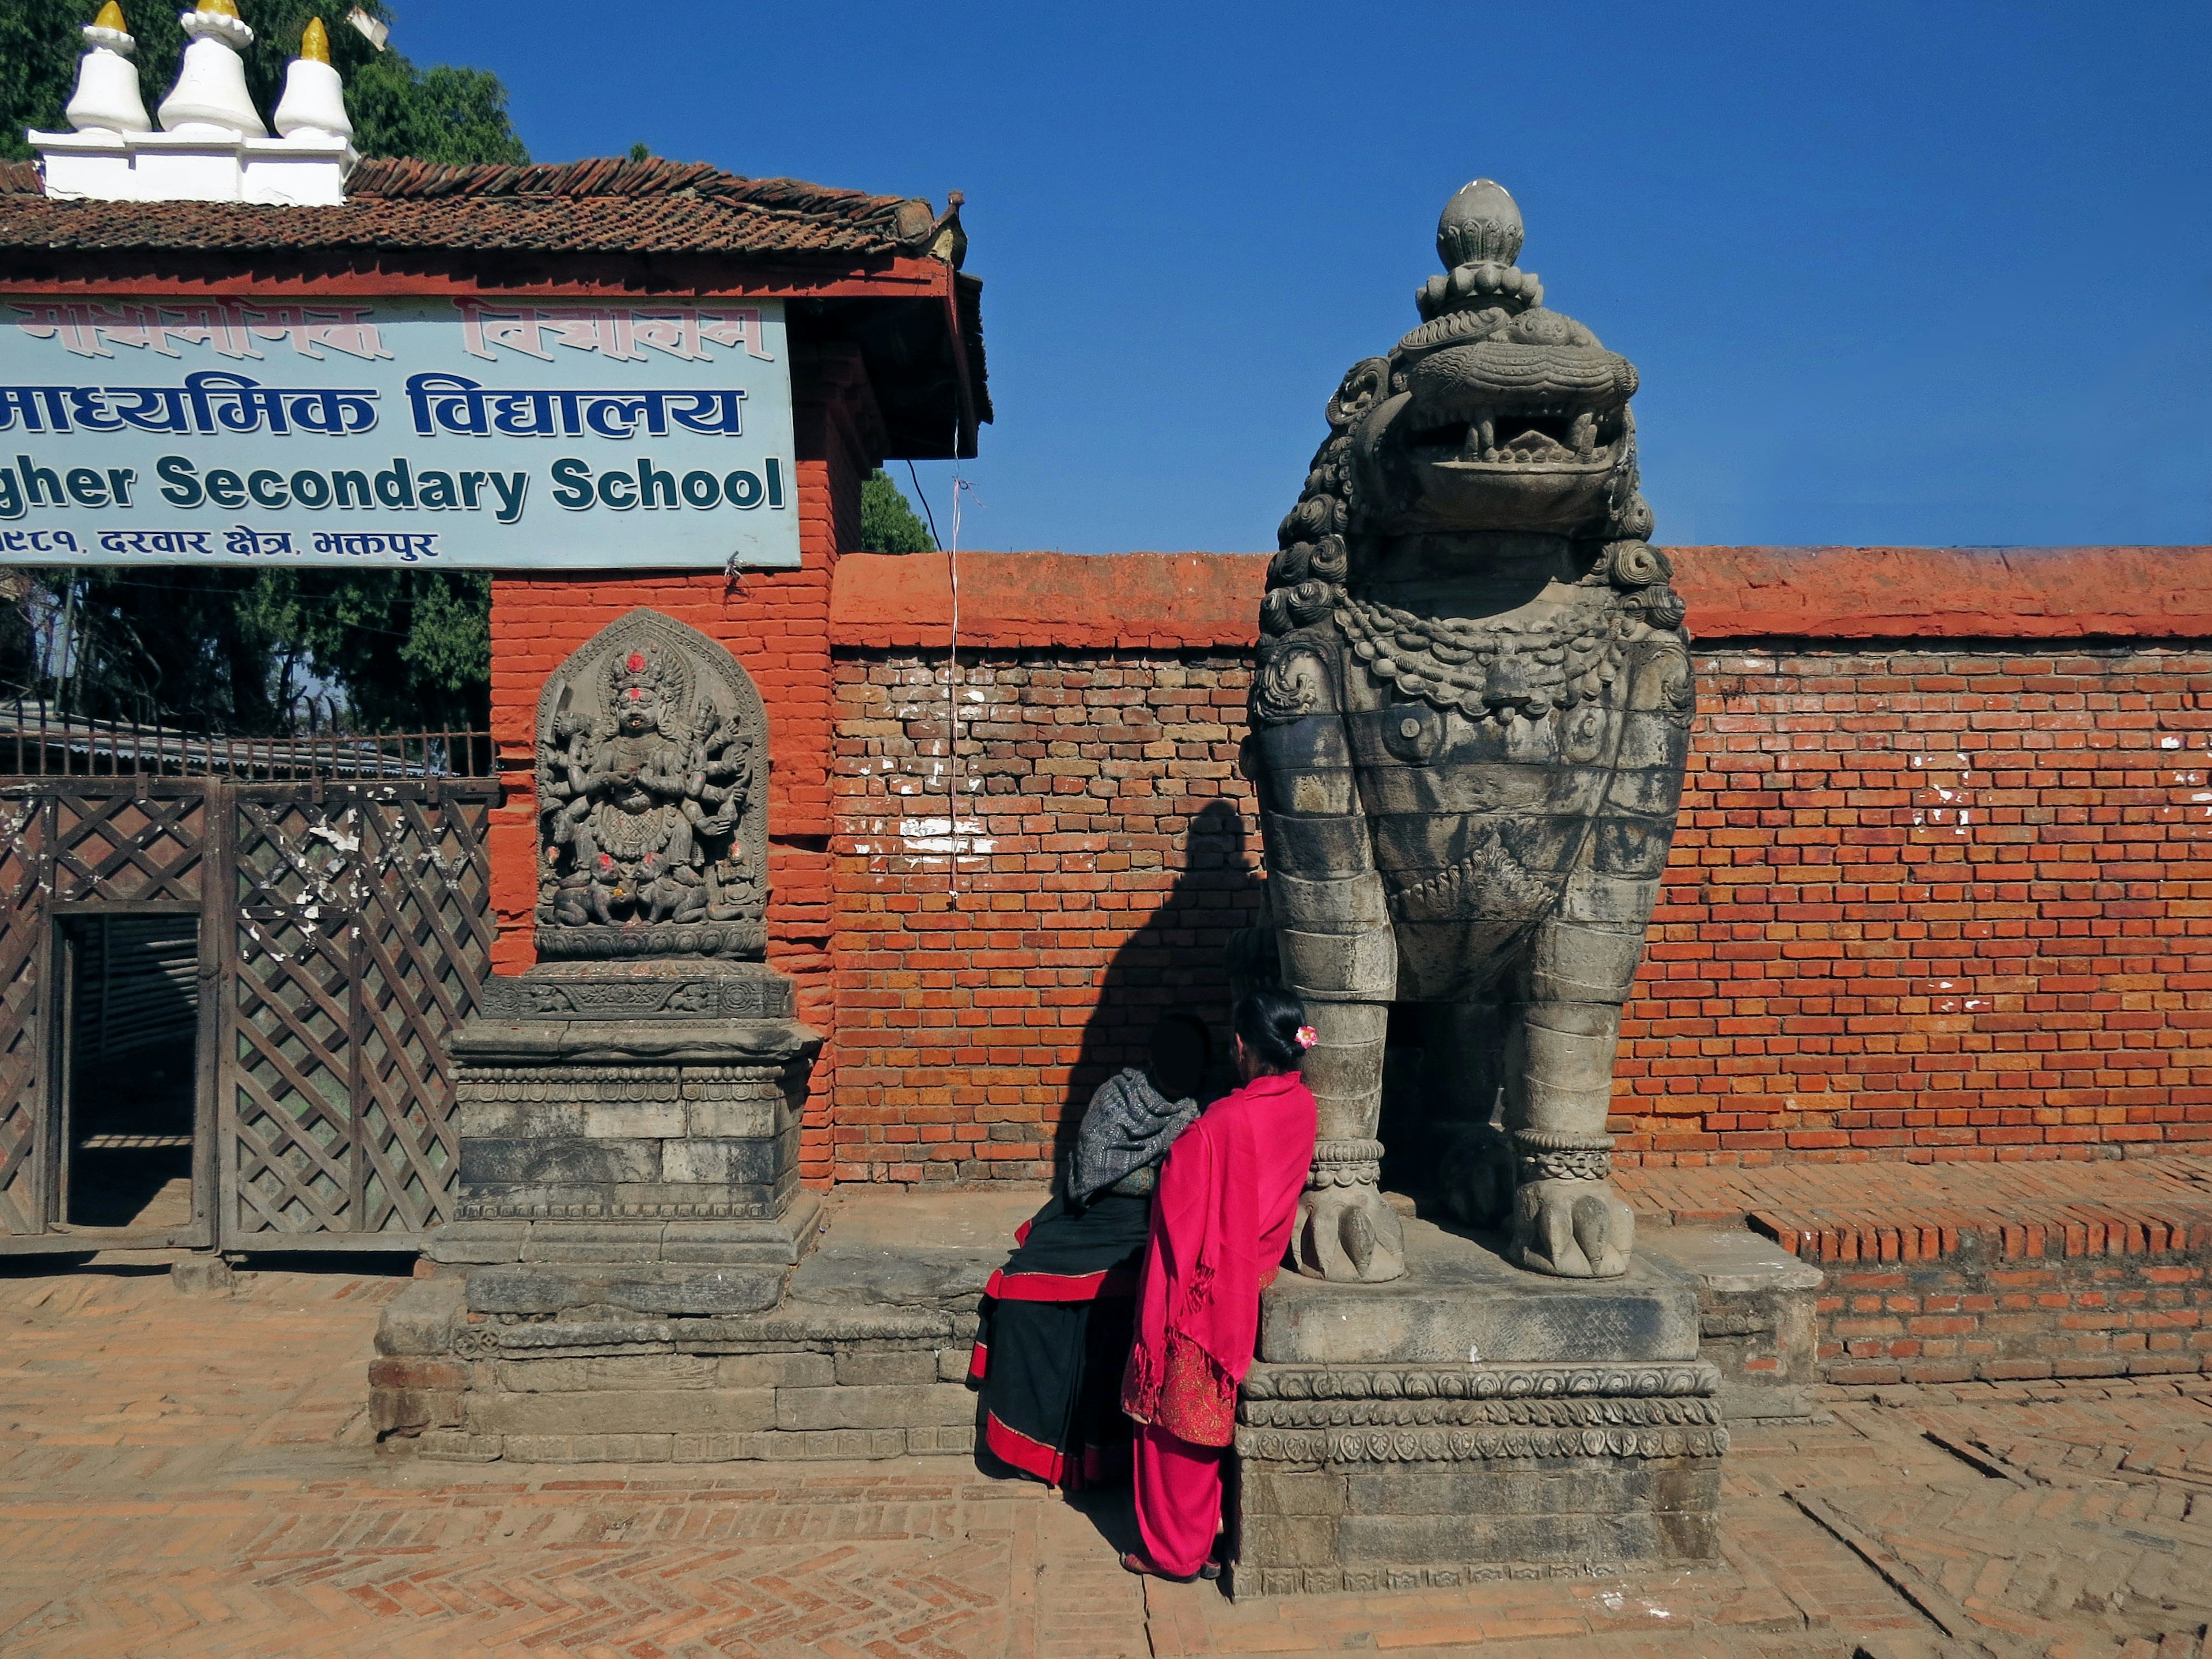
(652, 765)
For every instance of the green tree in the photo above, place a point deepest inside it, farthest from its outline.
(240, 650)
(888, 522)
(236, 649)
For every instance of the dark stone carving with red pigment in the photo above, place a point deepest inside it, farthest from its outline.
(653, 825)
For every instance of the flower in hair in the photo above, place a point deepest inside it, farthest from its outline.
(1307, 1037)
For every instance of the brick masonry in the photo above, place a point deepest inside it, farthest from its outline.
(1106, 851)
(1939, 897)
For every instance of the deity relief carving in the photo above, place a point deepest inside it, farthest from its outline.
(653, 828)
(1469, 725)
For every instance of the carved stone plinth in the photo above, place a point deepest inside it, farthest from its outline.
(630, 1137)
(629, 1109)
(1469, 1421)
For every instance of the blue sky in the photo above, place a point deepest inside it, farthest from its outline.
(1920, 274)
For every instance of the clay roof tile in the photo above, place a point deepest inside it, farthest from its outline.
(601, 205)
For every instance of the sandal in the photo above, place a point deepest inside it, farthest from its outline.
(1133, 1562)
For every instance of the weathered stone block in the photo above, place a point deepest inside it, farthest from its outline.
(455, 1445)
(1270, 1490)
(500, 1119)
(519, 1290)
(1460, 1302)
(1756, 1314)
(699, 1294)
(466, 1243)
(720, 1162)
(417, 1371)
(1288, 1540)
(420, 1320)
(776, 1370)
(612, 1371)
(611, 1242)
(395, 1409)
(928, 1405)
(623, 1411)
(863, 1366)
(588, 1447)
(751, 1120)
(488, 1164)
(826, 1444)
(201, 1275)
(706, 1448)
(952, 1364)
(610, 1119)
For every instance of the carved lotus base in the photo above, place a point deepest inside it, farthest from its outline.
(603, 942)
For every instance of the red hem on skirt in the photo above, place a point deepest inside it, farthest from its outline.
(1011, 1445)
(1061, 1287)
(1099, 1465)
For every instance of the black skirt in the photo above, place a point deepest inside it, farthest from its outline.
(1056, 1327)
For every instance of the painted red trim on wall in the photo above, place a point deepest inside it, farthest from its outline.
(1080, 601)
(1946, 592)
(1205, 600)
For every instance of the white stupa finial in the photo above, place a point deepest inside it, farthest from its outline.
(314, 98)
(210, 90)
(107, 95)
(212, 146)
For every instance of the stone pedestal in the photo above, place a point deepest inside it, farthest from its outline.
(629, 1140)
(1757, 1307)
(1472, 1421)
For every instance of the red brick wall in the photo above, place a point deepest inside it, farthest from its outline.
(1978, 1313)
(1935, 903)
(1951, 904)
(1938, 901)
(1105, 857)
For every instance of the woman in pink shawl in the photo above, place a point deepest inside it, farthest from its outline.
(1221, 1220)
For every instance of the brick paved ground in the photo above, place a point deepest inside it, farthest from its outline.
(193, 1477)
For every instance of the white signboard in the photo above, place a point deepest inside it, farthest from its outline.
(433, 432)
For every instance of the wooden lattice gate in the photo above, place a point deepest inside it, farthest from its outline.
(343, 929)
(363, 934)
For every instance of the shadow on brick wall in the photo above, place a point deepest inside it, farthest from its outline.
(1178, 960)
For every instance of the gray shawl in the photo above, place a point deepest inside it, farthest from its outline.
(1130, 1125)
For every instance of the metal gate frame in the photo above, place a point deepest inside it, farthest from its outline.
(402, 917)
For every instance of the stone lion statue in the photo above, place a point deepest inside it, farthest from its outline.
(1468, 728)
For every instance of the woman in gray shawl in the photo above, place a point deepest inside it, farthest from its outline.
(1056, 1318)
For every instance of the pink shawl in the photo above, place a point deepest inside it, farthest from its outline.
(1221, 1219)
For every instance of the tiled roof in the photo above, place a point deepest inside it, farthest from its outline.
(598, 206)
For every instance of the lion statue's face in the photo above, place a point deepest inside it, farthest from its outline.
(1485, 420)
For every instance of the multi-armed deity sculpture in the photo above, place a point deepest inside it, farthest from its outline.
(643, 801)
(1468, 728)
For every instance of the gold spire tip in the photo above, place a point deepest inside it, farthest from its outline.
(315, 43)
(221, 8)
(111, 17)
